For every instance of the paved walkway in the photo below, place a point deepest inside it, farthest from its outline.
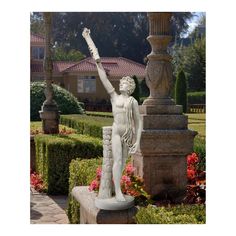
(46, 209)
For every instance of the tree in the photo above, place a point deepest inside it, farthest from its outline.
(115, 33)
(194, 65)
(72, 55)
(181, 90)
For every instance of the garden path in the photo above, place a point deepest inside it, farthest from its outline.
(46, 209)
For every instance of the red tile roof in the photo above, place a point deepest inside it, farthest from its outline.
(35, 38)
(58, 66)
(115, 66)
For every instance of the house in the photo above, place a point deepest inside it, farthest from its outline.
(81, 78)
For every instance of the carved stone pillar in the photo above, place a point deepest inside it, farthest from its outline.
(105, 189)
(159, 76)
(49, 113)
(165, 139)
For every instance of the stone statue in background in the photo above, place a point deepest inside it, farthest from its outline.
(127, 125)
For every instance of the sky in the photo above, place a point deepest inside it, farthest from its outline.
(193, 22)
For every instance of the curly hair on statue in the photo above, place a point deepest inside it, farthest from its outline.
(130, 82)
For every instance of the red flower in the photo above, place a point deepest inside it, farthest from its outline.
(94, 186)
(129, 169)
(191, 174)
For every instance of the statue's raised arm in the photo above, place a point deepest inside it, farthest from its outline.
(95, 55)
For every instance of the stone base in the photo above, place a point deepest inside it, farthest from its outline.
(90, 214)
(50, 118)
(162, 161)
(112, 204)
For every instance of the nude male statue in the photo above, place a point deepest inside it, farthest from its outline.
(125, 139)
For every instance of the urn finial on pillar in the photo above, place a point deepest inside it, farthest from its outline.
(159, 76)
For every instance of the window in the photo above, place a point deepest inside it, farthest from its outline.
(86, 84)
(37, 52)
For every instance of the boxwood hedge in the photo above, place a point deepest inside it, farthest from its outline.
(179, 214)
(54, 154)
(82, 172)
(88, 125)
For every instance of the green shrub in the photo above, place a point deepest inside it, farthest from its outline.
(88, 125)
(54, 154)
(181, 90)
(100, 114)
(196, 98)
(67, 103)
(136, 93)
(200, 148)
(180, 214)
(82, 172)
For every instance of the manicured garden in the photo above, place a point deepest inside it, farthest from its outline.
(73, 158)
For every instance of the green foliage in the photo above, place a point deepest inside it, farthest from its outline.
(67, 28)
(67, 103)
(144, 90)
(192, 59)
(54, 154)
(89, 125)
(181, 91)
(72, 55)
(100, 114)
(200, 148)
(196, 97)
(136, 92)
(180, 214)
(82, 172)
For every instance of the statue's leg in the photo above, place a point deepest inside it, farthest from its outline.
(117, 165)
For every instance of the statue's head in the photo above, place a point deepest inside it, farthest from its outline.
(129, 83)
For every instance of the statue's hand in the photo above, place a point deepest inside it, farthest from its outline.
(134, 148)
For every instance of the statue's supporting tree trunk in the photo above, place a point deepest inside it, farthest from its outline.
(165, 139)
(49, 113)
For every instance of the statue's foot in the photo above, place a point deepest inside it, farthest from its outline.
(120, 197)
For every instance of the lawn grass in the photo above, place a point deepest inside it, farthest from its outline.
(197, 122)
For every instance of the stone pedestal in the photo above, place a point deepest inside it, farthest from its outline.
(165, 140)
(164, 145)
(50, 118)
(89, 214)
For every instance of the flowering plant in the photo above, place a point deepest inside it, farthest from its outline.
(36, 182)
(196, 180)
(131, 184)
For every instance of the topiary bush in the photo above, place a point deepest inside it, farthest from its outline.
(54, 154)
(136, 93)
(82, 172)
(181, 90)
(66, 101)
(179, 214)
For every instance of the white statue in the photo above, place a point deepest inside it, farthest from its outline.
(127, 125)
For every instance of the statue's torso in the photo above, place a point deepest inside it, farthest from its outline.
(119, 110)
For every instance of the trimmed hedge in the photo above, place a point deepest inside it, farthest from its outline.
(54, 154)
(180, 214)
(196, 97)
(82, 172)
(66, 101)
(181, 90)
(100, 114)
(88, 125)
